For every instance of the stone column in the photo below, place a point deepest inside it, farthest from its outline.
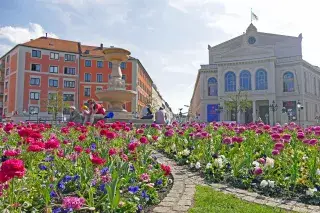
(271, 114)
(254, 115)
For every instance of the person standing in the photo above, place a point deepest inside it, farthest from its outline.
(160, 116)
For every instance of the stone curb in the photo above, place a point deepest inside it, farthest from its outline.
(180, 197)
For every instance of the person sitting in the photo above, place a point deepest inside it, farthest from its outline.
(86, 114)
(74, 115)
(147, 113)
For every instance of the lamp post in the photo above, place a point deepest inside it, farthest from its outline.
(300, 107)
(273, 107)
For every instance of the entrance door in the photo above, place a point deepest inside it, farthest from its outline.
(213, 113)
(264, 114)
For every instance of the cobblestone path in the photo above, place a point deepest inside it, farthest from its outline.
(180, 197)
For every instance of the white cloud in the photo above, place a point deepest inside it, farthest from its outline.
(17, 35)
(4, 49)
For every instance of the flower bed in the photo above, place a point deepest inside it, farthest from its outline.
(101, 168)
(274, 161)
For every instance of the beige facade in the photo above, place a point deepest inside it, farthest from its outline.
(158, 101)
(269, 68)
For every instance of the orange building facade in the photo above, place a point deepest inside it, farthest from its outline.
(44, 66)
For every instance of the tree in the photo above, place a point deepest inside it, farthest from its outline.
(238, 102)
(55, 104)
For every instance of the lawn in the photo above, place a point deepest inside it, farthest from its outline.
(208, 200)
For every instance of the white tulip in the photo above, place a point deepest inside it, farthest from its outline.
(310, 191)
(264, 183)
(198, 166)
(318, 171)
(218, 162)
(208, 166)
(269, 162)
(256, 164)
(271, 183)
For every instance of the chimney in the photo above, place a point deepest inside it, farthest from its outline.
(46, 35)
(101, 46)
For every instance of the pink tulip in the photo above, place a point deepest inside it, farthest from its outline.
(257, 171)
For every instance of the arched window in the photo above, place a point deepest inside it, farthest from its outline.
(212, 87)
(230, 82)
(288, 82)
(261, 80)
(245, 80)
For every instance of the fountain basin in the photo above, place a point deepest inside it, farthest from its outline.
(116, 98)
(116, 54)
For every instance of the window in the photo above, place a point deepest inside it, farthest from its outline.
(35, 67)
(212, 87)
(288, 82)
(34, 95)
(33, 109)
(124, 77)
(99, 77)
(53, 83)
(110, 64)
(245, 80)
(34, 81)
(230, 82)
(7, 71)
(53, 69)
(69, 71)
(87, 77)
(68, 97)
(261, 80)
(68, 57)
(8, 58)
(100, 64)
(54, 56)
(87, 92)
(87, 63)
(6, 85)
(36, 53)
(123, 65)
(5, 98)
(69, 84)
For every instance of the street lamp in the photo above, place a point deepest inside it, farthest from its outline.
(300, 107)
(273, 107)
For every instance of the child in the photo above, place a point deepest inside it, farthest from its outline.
(86, 114)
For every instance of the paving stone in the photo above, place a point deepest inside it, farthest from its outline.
(167, 204)
(262, 202)
(180, 208)
(248, 198)
(272, 204)
(169, 199)
(285, 206)
(300, 209)
(161, 209)
(183, 202)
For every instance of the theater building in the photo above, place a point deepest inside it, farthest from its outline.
(268, 67)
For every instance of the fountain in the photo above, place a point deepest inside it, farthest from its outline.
(116, 93)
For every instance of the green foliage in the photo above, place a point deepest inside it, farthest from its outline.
(55, 104)
(207, 200)
(238, 102)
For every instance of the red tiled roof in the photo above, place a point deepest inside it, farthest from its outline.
(54, 44)
(91, 51)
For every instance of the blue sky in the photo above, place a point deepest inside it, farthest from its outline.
(170, 37)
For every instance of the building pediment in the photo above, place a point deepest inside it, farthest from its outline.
(246, 53)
